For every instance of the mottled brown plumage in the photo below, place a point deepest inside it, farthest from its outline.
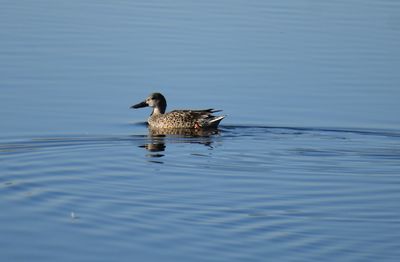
(178, 118)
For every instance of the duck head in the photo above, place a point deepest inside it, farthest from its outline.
(156, 101)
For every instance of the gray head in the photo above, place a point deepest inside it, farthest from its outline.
(156, 101)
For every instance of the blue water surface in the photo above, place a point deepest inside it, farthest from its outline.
(305, 167)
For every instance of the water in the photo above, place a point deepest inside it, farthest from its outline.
(305, 166)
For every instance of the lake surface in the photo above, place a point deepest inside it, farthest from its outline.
(305, 167)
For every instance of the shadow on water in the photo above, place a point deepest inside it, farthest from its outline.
(318, 130)
(156, 141)
(158, 138)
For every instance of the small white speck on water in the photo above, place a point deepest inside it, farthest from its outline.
(73, 216)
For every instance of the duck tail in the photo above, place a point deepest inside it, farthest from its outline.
(213, 123)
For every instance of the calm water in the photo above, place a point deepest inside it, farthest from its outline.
(305, 167)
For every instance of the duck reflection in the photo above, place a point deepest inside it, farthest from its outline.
(159, 137)
(155, 145)
(182, 132)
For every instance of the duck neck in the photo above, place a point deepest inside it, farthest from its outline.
(157, 111)
(159, 107)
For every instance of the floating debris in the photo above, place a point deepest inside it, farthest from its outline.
(73, 216)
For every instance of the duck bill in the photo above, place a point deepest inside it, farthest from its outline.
(140, 105)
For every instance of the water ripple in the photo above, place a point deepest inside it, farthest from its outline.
(262, 190)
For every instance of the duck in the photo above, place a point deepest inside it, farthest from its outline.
(177, 119)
